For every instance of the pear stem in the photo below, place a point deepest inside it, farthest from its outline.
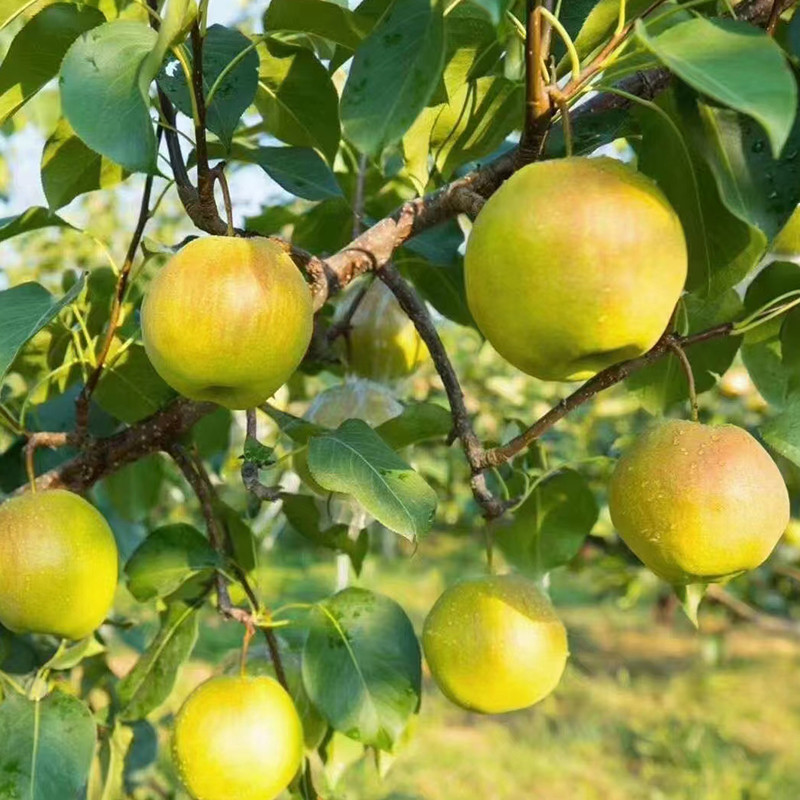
(687, 369)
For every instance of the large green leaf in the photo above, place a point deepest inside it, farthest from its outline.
(362, 666)
(37, 50)
(299, 170)
(756, 187)
(297, 100)
(33, 219)
(130, 389)
(47, 747)
(69, 168)
(166, 559)
(237, 89)
(329, 20)
(782, 432)
(354, 460)
(102, 97)
(24, 311)
(394, 74)
(134, 490)
(475, 122)
(708, 55)
(153, 676)
(548, 529)
(662, 384)
(722, 247)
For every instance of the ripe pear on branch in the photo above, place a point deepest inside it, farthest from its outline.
(238, 737)
(574, 265)
(698, 503)
(495, 644)
(227, 320)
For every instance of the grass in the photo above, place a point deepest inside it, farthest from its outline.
(644, 712)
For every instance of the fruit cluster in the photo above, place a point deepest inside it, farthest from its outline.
(695, 503)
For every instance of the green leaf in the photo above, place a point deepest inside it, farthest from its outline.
(37, 50)
(756, 187)
(782, 432)
(11, 9)
(299, 170)
(24, 311)
(496, 8)
(722, 248)
(362, 666)
(173, 23)
(354, 460)
(442, 285)
(591, 23)
(241, 535)
(298, 101)
(130, 389)
(708, 55)
(47, 747)
(476, 121)
(297, 429)
(329, 20)
(68, 657)
(153, 676)
(134, 490)
(101, 95)
(769, 350)
(303, 515)
(237, 90)
(166, 559)
(108, 778)
(548, 529)
(662, 384)
(473, 47)
(394, 74)
(33, 219)
(69, 168)
(419, 422)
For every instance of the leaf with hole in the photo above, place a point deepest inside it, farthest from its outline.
(102, 97)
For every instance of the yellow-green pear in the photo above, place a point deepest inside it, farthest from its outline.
(574, 265)
(58, 564)
(237, 738)
(494, 644)
(227, 320)
(383, 344)
(698, 503)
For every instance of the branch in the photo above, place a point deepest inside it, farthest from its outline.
(84, 398)
(746, 612)
(603, 380)
(219, 536)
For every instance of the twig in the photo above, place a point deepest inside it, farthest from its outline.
(42, 439)
(358, 200)
(83, 401)
(218, 174)
(676, 348)
(198, 479)
(603, 380)
(774, 16)
(749, 614)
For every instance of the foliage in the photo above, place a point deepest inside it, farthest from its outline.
(348, 112)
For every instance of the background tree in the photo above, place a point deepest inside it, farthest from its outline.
(383, 127)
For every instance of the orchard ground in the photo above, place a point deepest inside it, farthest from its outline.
(646, 711)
